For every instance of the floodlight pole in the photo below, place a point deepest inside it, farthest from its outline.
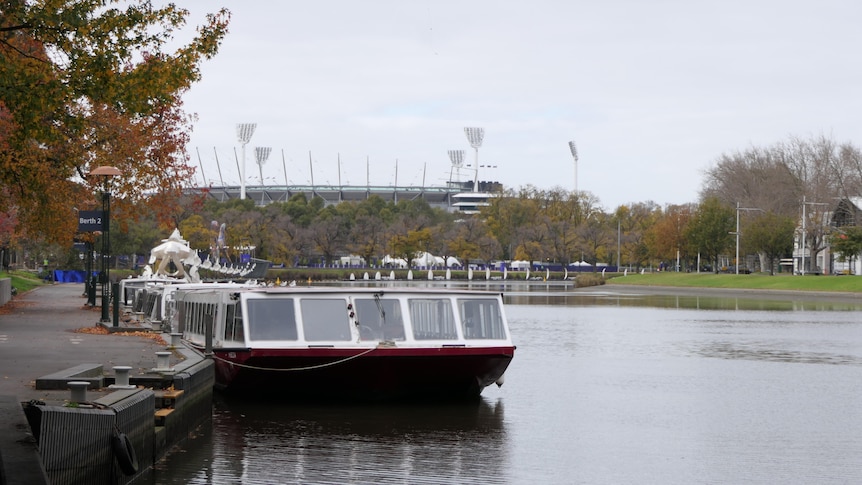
(475, 136)
(457, 158)
(244, 131)
(574, 149)
(261, 155)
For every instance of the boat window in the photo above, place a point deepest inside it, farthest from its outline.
(432, 319)
(379, 319)
(481, 319)
(271, 319)
(233, 323)
(325, 319)
(197, 316)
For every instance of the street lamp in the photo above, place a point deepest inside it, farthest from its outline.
(803, 229)
(105, 173)
(475, 136)
(737, 229)
(574, 150)
(243, 134)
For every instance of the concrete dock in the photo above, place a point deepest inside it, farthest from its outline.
(39, 337)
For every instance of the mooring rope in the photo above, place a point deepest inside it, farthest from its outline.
(312, 367)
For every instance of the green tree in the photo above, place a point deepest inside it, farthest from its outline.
(710, 228)
(770, 234)
(300, 210)
(847, 243)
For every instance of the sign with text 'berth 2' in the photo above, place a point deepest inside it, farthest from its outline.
(89, 221)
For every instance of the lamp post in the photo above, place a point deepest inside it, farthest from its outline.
(105, 173)
(574, 149)
(243, 134)
(91, 285)
(737, 229)
(475, 136)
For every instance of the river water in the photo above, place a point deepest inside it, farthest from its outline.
(604, 388)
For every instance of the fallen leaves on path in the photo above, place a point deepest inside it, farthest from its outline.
(99, 330)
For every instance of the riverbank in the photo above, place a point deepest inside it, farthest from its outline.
(782, 282)
(621, 286)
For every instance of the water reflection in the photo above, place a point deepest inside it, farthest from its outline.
(607, 386)
(558, 292)
(692, 302)
(266, 442)
(766, 353)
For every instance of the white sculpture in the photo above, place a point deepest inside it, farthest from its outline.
(175, 250)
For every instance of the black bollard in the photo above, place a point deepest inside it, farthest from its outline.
(115, 295)
(91, 291)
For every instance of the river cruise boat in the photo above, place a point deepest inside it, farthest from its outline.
(150, 301)
(363, 343)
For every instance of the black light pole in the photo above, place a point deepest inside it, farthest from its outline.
(106, 173)
(88, 266)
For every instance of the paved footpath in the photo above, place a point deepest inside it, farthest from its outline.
(37, 338)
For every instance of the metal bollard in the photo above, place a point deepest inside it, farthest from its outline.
(121, 377)
(79, 391)
(115, 295)
(163, 360)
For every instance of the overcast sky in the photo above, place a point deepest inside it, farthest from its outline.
(652, 92)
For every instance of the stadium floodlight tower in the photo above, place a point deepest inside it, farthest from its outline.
(574, 150)
(261, 155)
(475, 136)
(244, 131)
(457, 158)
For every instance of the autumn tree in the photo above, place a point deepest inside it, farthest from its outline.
(669, 233)
(329, 234)
(90, 83)
(408, 245)
(594, 236)
(367, 237)
(443, 232)
(505, 215)
(633, 224)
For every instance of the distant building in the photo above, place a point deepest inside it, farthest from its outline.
(848, 213)
(454, 197)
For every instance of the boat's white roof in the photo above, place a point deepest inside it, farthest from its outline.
(364, 290)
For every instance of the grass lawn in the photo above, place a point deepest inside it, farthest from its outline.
(751, 281)
(22, 280)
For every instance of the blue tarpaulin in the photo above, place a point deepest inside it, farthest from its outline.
(69, 276)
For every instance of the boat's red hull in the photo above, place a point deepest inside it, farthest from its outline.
(379, 373)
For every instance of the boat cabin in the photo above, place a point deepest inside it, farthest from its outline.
(337, 317)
